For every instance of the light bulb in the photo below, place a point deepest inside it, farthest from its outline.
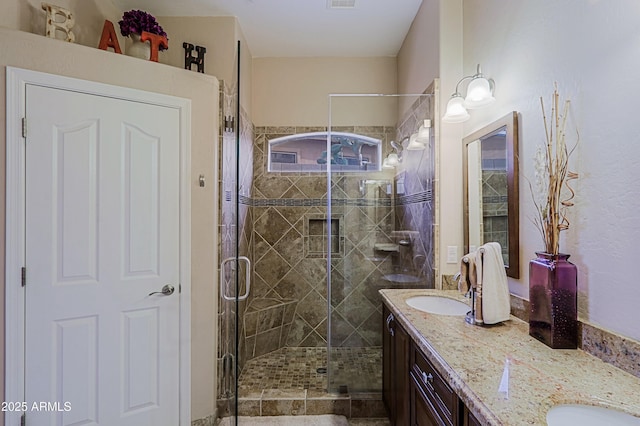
(456, 112)
(478, 93)
(414, 145)
(392, 159)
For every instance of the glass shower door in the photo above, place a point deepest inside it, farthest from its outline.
(381, 230)
(233, 268)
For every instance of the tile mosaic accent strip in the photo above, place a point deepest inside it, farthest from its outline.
(419, 197)
(315, 202)
(495, 199)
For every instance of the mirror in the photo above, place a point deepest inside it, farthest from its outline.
(490, 182)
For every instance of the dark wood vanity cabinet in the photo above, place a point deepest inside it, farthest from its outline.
(395, 380)
(413, 391)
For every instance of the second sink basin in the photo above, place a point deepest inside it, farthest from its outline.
(438, 305)
(587, 415)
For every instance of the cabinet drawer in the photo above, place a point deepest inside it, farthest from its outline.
(444, 399)
(423, 412)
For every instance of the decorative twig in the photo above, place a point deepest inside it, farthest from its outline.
(552, 177)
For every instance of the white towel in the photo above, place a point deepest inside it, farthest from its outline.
(492, 279)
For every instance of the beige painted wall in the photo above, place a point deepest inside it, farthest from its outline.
(294, 91)
(27, 15)
(419, 57)
(592, 50)
(219, 35)
(38, 53)
(449, 167)
(504, 37)
(433, 48)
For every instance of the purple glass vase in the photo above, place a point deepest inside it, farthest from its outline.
(553, 289)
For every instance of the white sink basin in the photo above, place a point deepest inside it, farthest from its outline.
(588, 415)
(438, 305)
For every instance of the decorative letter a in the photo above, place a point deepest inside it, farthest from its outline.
(109, 38)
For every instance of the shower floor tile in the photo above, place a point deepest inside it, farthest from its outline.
(297, 368)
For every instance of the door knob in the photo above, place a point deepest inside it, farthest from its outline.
(167, 290)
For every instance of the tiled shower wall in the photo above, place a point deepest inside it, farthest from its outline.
(414, 182)
(285, 208)
(280, 215)
(288, 210)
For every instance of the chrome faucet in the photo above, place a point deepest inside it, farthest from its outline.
(470, 318)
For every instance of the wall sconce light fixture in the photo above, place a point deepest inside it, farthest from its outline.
(417, 141)
(479, 94)
(420, 139)
(394, 158)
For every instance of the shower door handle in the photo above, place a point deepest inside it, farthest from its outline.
(247, 278)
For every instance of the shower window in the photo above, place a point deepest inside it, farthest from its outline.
(307, 152)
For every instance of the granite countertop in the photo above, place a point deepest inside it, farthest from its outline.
(472, 360)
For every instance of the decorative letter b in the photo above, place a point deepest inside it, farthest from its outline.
(53, 25)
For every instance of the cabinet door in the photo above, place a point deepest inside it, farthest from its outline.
(422, 411)
(387, 363)
(395, 369)
(401, 369)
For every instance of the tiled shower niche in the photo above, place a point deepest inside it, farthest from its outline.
(316, 233)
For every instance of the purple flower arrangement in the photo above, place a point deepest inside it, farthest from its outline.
(137, 21)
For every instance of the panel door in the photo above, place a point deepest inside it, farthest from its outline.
(102, 233)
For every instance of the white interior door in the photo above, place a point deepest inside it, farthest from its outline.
(102, 233)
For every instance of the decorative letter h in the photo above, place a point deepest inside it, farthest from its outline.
(189, 59)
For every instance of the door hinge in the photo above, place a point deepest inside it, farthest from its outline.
(23, 419)
(24, 127)
(23, 276)
(229, 123)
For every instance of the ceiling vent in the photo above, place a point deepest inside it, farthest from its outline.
(341, 4)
